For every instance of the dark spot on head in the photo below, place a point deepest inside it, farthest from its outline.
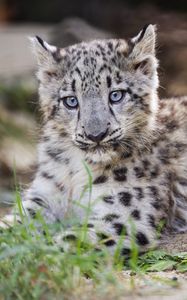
(77, 70)
(141, 238)
(125, 198)
(119, 79)
(110, 46)
(129, 91)
(73, 85)
(109, 81)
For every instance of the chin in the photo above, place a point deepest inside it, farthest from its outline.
(101, 156)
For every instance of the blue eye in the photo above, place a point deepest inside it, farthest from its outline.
(116, 96)
(70, 102)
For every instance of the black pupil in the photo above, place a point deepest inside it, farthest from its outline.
(72, 101)
(116, 96)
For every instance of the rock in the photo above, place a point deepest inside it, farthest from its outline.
(75, 30)
(174, 243)
(16, 58)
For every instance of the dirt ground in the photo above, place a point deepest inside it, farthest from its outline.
(167, 285)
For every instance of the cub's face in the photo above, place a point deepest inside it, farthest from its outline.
(101, 94)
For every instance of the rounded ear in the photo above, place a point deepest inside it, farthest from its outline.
(44, 52)
(142, 54)
(144, 43)
(48, 57)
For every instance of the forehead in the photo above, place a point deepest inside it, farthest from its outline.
(96, 55)
(90, 64)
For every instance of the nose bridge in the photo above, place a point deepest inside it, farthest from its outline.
(95, 118)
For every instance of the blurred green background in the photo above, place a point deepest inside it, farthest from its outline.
(64, 23)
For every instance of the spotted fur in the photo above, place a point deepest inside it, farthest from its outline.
(139, 165)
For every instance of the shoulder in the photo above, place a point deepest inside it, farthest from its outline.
(173, 108)
(172, 115)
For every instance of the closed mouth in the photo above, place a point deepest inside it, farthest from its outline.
(99, 147)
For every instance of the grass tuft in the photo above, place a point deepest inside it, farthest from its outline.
(32, 266)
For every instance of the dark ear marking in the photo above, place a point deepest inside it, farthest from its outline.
(144, 66)
(41, 42)
(55, 53)
(142, 33)
(143, 43)
(132, 43)
(141, 64)
(130, 46)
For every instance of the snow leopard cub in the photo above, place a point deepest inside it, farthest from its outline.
(100, 105)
